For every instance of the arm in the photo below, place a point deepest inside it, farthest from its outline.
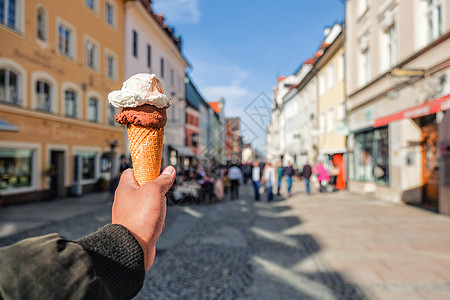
(107, 264)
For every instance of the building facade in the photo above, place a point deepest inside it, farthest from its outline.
(193, 99)
(397, 89)
(331, 101)
(151, 46)
(59, 63)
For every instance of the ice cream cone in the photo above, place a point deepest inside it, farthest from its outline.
(146, 146)
(144, 105)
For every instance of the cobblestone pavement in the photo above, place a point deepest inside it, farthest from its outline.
(322, 246)
(236, 250)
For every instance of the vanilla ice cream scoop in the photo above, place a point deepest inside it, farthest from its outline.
(138, 90)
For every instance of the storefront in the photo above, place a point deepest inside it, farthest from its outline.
(48, 156)
(426, 117)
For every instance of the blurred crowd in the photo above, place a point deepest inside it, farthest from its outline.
(196, 183)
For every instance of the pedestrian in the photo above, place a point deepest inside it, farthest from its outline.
(269, 180)
(124, 164)
(235, 175)
(280, 170)
(334, 172)
(109, 263)
(218, 188)
(256, 178)
(306, 175)
(288, 172)
(322, 176)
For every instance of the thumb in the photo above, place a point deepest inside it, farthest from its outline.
(127, 180)
(165, 180)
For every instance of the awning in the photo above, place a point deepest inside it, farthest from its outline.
(425, 109)
(5, 126)
(183, 151)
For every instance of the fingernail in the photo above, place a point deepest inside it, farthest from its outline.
(169, 170)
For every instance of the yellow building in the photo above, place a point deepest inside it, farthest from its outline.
(58, 62)
(331, 102)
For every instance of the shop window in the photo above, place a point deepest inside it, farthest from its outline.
(41, 24)
(43, 93)
(70, 103)
(10, 13)
(371, 156)
(15, 168)
(9, 87)
(93, 109)
(87, 165)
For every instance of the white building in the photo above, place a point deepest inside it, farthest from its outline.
(152, 47)
(398, 93)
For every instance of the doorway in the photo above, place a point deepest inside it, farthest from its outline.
(57, 162)
(430, 167)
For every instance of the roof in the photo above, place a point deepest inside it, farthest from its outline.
(281, 78)
(215, 106)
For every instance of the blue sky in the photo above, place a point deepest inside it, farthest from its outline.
(237, 49)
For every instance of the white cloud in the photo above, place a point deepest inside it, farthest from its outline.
(179, 11)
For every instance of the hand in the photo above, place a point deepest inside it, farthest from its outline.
(142, 210)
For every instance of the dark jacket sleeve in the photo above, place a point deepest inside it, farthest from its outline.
(107, 264)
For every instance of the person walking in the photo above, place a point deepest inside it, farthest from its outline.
(280, 169)
(306, 174)
(322, 176)
(269, 180)
(235, 175)
(289, 173)
(256, 177)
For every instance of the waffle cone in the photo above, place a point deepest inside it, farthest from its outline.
(146, 145)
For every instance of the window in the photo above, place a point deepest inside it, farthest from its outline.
(392, 45)
(322, 122)
(149, 56)
(9, 87)
(341, 110)
(330, 120)
(364, 67)
(321, 84)
(434, 17)
(43, 92)
(66, 42)
(109, 13)
(341, 69)
(70, 102)
(10, 13)
(111, 65)
(91, 54)
(331, 75)
(135, 43)
(16, 167)
(162, 67)
(87, 165)
(93, 109)
(172, 77)
(371, 156)
(362, 7)
(41, 24)
(92, 4)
